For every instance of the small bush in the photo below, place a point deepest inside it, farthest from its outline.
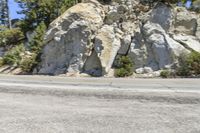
(36, 45)
(124, 67)
(183, 68)
(165, 74)
(193, 62)
(14, 56)
(28, 63)
(38, 40)
(189, 65)
(9, 37)
(1, 62)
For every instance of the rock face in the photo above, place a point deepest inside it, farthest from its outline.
(106, 46)
(69, 39)
(88, 37)
(161, 47)
(162, 15)
(2, 52)
(198, 28)
(190, 42)
(185, 22)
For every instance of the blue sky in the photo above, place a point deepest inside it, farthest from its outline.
(13, 9)
(13, 6)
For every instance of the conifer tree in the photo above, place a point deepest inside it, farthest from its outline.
(4, 14)
(37, 11)
(38, 39)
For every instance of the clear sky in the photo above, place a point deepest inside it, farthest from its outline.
(13, 9)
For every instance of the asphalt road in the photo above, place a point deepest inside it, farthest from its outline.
(42, 104)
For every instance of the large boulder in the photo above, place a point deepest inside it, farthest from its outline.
(155, 37)
(190, 42)
(92, 65)
(138, 51)
(161, 48)
(162, 15)
(68, 40)
(125, 45)
(106, 46)
(185, 22)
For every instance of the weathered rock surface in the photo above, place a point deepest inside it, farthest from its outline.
(88, 37)
(162, 15)
(2, 51)
(161, 47)
(138, 50)
(125, 45)
(185, 22)
(190, 42)
(92, 65)
(69, 39)
(198, 28)
(106, 46)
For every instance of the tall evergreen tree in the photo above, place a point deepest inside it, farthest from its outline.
(4, 14)
(37, 11)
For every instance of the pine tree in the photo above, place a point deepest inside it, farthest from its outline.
(37, 11)
(4, 14)
(38, 40)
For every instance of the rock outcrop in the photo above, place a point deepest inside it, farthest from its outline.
(2, 52)
(69, 39)
(88, 37)
(106, 46)
(198, 28)
(185, 22)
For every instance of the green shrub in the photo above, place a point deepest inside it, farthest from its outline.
(1, 62)
(124, 67)
(38, 40)
(193, 62)
(122, 72)
(165, 74)
(28, 63)
(9, 37)
(14, 56)
(183, 68)
(189, 64)
(36, 45)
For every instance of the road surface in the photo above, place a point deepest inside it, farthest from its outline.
(42, 104)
